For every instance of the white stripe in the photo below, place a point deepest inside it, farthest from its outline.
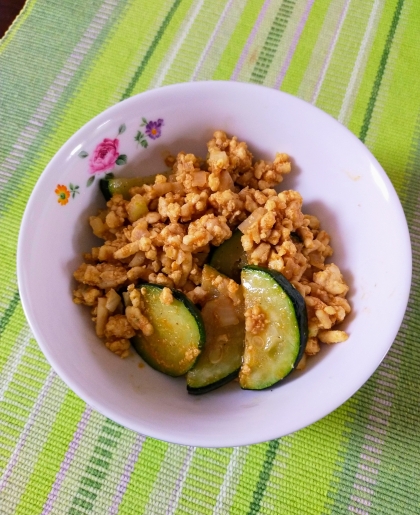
(366, 479)
(367, 468)
(182, 36)
(211, 39)
(358, 511)
(28, 426)
(378, 420)
(371, 448)
(176, 493)
(126, 475)
(360, 60)
(12, 364)
(371, 459)
(360, 500)
(55, 90)
(363, 488)
(330, 52)
(230, 482)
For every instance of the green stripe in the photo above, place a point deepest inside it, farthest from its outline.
(381, 71)
(342, 485)
(307, 41)
(51, 455)
(174, 31)
(248, 479)
(270, 454)
(272, 41)
(143, 477)
(207, 471)
(8, 312)
(343, 59)
(46, 135)
(158, 36)
(101, 458)
(21, 97)
(393, 123)
(238, 39)
(221, 40)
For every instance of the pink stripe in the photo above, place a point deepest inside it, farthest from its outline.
(330, 50)
(68, 458)
(26, 431)
(292, 49)
(125, 477)
(250, 40)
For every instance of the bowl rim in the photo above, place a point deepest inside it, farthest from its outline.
(164, 435)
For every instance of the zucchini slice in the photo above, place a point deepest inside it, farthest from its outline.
(178, 332)
(122, 185)
(221, 357)
(230, 257)
(273, 352)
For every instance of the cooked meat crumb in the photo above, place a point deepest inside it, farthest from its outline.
(163, 233)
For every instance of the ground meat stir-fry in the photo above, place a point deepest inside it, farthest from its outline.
(163, 233)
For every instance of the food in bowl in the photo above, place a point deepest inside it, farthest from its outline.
(176, 248)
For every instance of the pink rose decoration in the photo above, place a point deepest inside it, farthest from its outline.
(104, 156)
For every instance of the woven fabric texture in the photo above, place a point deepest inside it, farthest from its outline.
(63, 62)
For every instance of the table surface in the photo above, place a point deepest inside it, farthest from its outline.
(63, 62)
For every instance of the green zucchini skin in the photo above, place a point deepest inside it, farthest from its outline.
(207, 375)
(213, 386)
(110, 186)
(178, 328)
(230, 257)
(298, 305)
(105, 190)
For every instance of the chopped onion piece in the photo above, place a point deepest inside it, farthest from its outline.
(177, 187)
(137, 208)
(199, 179)
(226, 181)
(162, 188)
(253, 218)
(101, 317)
(224, 312)
(126, 298)
(112, 300)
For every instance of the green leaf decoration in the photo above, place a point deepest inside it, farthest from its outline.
(76, 187)
(109, 175)
(90, 181)
(71, 186)
(122, 159)
(122, 128)
(83, 154)
(144, 143)
(144, 122)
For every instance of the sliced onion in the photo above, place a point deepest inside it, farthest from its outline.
(126, 298)
(224, 312)
(177, 187)
(162, 188)
(137, 208)
(101, 317)
(138, 259)
(112, 300)
(226, 181)
(253, 218)
(199, 179)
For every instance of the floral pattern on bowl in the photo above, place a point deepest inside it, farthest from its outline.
(106, 155)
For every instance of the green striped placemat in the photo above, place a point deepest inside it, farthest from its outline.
(63, 62)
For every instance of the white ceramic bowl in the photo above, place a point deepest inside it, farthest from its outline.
(340, 181)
